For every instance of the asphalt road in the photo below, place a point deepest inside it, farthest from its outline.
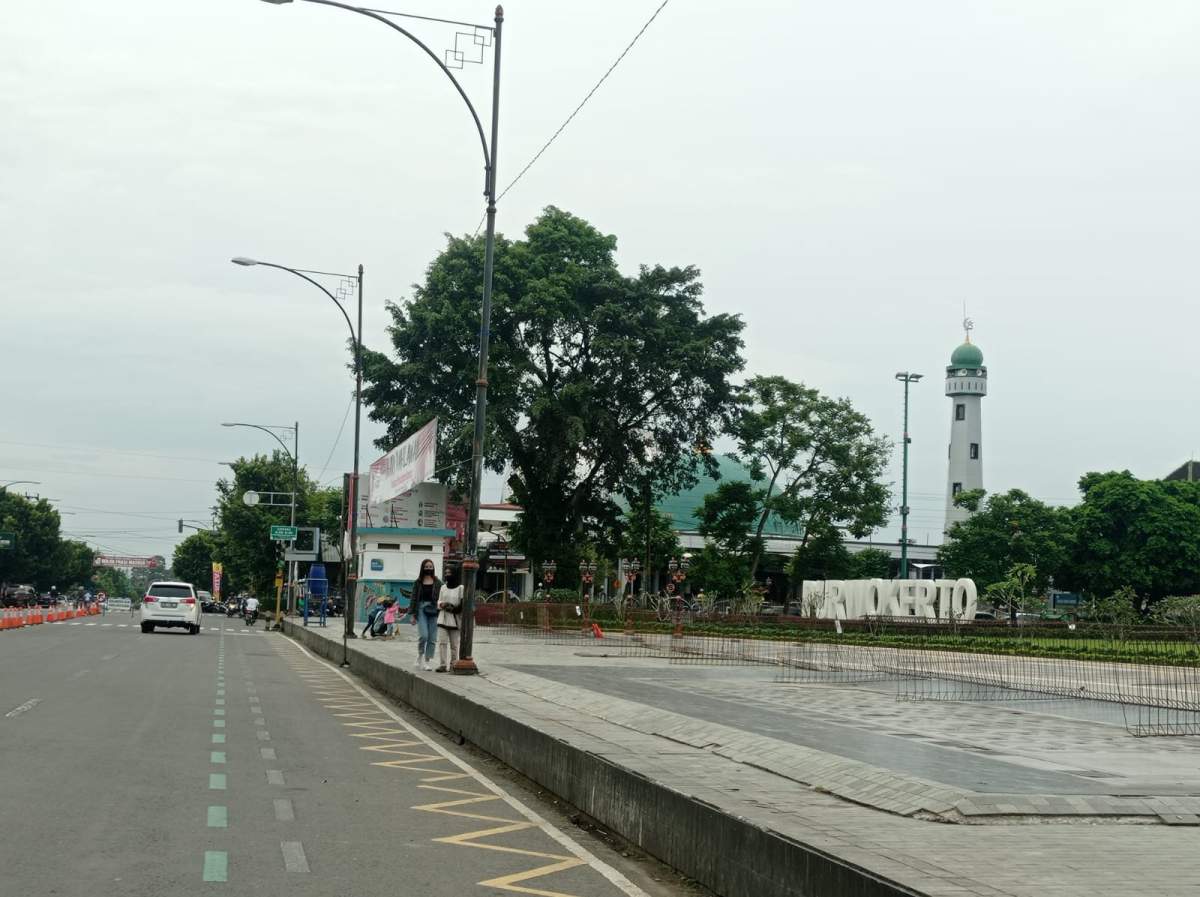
(234, 761)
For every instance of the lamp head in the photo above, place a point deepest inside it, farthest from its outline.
(241, 259)
(277, 2)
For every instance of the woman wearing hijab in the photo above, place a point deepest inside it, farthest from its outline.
(425, 597)
(449, 605)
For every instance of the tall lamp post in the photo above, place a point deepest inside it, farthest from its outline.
(356, 338)
(4, 486)
(295, 456)
(907, 378)
(456, 57)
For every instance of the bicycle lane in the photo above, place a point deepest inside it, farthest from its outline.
(371, 803)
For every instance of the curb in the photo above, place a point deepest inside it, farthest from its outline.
(724, 853)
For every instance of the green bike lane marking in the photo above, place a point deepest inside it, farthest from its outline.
(218, 817)
(216, 865)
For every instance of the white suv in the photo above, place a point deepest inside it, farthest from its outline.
(171, 604)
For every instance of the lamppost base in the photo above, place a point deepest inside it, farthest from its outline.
(464, 667)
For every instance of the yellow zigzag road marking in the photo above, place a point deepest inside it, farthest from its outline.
(509, 882)
(378, 724)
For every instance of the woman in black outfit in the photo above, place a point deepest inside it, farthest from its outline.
(425, 594)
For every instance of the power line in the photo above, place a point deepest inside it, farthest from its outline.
(582, 103)
(337, 439)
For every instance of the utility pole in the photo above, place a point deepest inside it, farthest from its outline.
(906, 378)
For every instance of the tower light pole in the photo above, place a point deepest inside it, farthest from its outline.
(356, 338)
(907, 378)
(481, 36)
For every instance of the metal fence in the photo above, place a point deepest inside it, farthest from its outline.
(1153, 673)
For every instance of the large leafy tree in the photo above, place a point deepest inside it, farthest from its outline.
(244, 542)
(814, 462)
(648, 536)
(599, 382)
(193, 559)
(39, 555)
(1006, 530)
(1144, 534)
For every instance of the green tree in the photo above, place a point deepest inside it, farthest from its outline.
(37, 545)
(112, 582)
(244, 543)
(1017, 591)
(72, 564)
(870, 563)
(648, 536)
(814, 462)
(599, 382)
(1144, 534)
(193, 559)
(721, 574)
(1007, 529)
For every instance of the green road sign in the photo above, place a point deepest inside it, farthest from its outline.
(7, 540)
(284, 533)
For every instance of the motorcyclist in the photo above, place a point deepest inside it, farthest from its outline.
(251, 607)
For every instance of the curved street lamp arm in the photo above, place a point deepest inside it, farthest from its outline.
(332, 299)
(487, 157)
(273, 434)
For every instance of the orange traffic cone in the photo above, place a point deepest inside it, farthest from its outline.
(5, 621)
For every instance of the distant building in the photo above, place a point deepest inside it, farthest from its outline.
(1190, 472)
(966, 385)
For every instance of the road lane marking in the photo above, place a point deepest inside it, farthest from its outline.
(275, 777)
(216, 865)
(293, 856)
(218, 817)
(220, 702)
(216, 781)
(284, 811)
(80, 673)
(218, 738)
(259, 721)
(218, 711)
(263, 735)
(267, 753)
(23, 708)
(218, 724)
(584, 856)
(220, 692)
(216, 756)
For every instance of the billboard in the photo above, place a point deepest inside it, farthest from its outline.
(112, 560)
(407, 465)
(421, 507)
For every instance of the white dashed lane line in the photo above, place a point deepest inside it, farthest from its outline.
(23, 708)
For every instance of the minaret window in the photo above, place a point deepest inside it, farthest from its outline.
(960, 412)
(974, 451)
(956, 488)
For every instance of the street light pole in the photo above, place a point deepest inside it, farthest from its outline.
(356, 338)
(906, 378)
(465, 663)
(295, 456)
(4, 486)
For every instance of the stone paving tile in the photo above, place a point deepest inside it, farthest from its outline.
(1048, 860)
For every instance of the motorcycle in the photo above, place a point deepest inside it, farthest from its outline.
(251, 617)
(231, 611)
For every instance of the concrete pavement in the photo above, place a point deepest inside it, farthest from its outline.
(234, 761)
(734, 780)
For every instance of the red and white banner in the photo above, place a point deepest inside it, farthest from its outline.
(218, 570)
(112, 560)
(406, 466)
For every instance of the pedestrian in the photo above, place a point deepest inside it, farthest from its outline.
(375, 611)
(449, 605)
(389, 620)
(425, 613)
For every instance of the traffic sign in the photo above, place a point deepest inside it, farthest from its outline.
(284, 533)
(7, 540)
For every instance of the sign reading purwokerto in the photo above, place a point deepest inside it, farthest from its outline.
(407, 465)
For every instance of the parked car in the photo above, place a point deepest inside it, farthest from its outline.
(171, 604)
(984, 615)
(20, 596)
(208, 604)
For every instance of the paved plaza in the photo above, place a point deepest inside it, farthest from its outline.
(1020, 796)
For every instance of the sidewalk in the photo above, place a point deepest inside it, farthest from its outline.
(755, 787)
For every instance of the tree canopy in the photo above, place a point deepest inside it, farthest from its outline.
(40, 556)
(1007, 529)
(599, 382)
(814, 462)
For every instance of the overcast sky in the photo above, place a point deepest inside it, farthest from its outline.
(845, 175)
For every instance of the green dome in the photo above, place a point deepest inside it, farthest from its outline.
(968, 355)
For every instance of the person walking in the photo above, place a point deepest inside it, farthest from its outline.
(375, 611)
(449, 605)
(389, 619)
(425, 594)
